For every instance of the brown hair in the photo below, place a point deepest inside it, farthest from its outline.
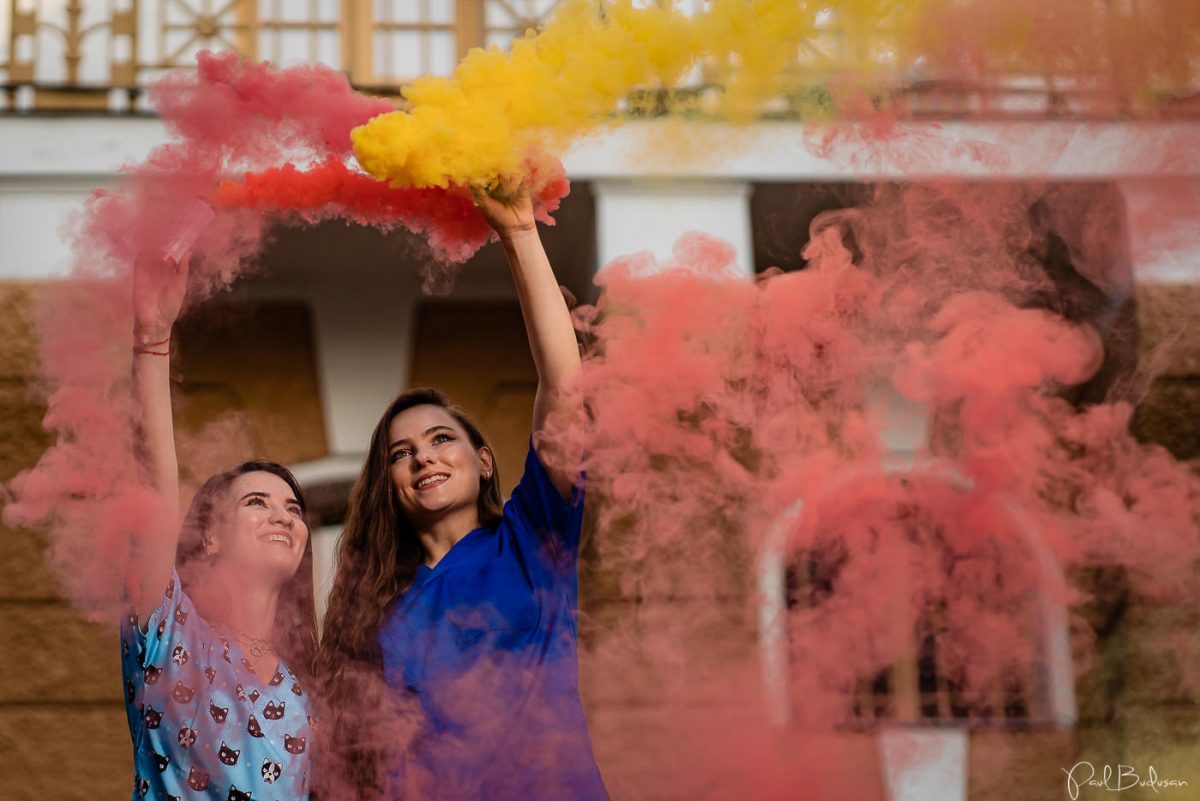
(295, 622)
(377, 560)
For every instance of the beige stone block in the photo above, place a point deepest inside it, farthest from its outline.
(65, 753)
(1160, 648)
(1167, 738)
(250, 369)
(1167, 321)
(21, 434)
(1005, 765)
(1170, 416)
(23, 560)
(18, 340)
(48, 654)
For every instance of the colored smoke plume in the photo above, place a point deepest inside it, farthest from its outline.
(716, 404)
(574, 77)
(449, 220)
(267, 147)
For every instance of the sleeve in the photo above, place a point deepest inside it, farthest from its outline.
(536, 507)
(166, 629)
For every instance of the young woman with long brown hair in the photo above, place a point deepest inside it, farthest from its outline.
(215, 666)
(461, 608)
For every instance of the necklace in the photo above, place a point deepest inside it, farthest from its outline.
(258, 646)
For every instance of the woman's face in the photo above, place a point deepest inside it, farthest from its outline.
(264, 533)
(434, 467)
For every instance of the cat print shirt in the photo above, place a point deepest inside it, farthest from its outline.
(203, 725)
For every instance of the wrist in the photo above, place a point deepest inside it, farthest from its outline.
(153, 336)
(515, 232)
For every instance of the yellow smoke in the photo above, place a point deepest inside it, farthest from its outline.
(572, 78)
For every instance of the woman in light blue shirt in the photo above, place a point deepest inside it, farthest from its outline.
(218, 641)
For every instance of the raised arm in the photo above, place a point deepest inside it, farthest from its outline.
(159, 286)
(547, 320)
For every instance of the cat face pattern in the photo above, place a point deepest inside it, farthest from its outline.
(186, 737)
(182, 694)
(228, 755)
(271, 771)
(208, 726)
(197, 779)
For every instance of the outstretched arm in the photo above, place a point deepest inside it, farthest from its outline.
(547, 320)
(159, 286)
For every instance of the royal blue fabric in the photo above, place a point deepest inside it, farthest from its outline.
(485, 644)
(203, 725)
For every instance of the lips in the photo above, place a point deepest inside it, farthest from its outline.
(430, 481)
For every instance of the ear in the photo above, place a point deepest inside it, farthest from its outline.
(489, 466)
(211, 546)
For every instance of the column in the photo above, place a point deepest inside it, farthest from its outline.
(651, 215)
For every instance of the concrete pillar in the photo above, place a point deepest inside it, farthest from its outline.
(920, 764)
(650, 215)
(364, 343)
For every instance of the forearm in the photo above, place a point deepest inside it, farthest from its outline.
(547, 319)
(155, 443)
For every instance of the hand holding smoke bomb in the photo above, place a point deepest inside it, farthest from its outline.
(160, 283)
(507, 206)
(195, 218)
(159, 287)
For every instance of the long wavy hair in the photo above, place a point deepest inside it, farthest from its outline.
(377, 560)
(295, 624)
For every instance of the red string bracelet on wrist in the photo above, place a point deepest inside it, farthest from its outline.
(148, 348)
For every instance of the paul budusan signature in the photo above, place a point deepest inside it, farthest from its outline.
(1114, 779)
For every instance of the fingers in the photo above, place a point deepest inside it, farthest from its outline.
(507, 190)
(181, 266)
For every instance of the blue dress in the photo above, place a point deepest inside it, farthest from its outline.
(486, 644)
(203, 725)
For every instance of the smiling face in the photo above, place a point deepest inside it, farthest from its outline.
(262, 530)
(434, 466)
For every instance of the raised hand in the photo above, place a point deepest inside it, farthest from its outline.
(507, 206)
(159, 287)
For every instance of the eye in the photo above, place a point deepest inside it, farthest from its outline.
(295, 510)
(257, 501)
(438, 439)
(400, 453)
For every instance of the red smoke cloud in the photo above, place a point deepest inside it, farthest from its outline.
(448, 219)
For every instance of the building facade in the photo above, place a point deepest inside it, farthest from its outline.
(340, 302)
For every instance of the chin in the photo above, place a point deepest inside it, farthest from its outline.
(282, 566)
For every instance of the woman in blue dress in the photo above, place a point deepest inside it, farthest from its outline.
(453, 612)
(219, 638)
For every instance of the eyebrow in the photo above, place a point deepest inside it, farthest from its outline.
(428, 431)
(264, 495)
